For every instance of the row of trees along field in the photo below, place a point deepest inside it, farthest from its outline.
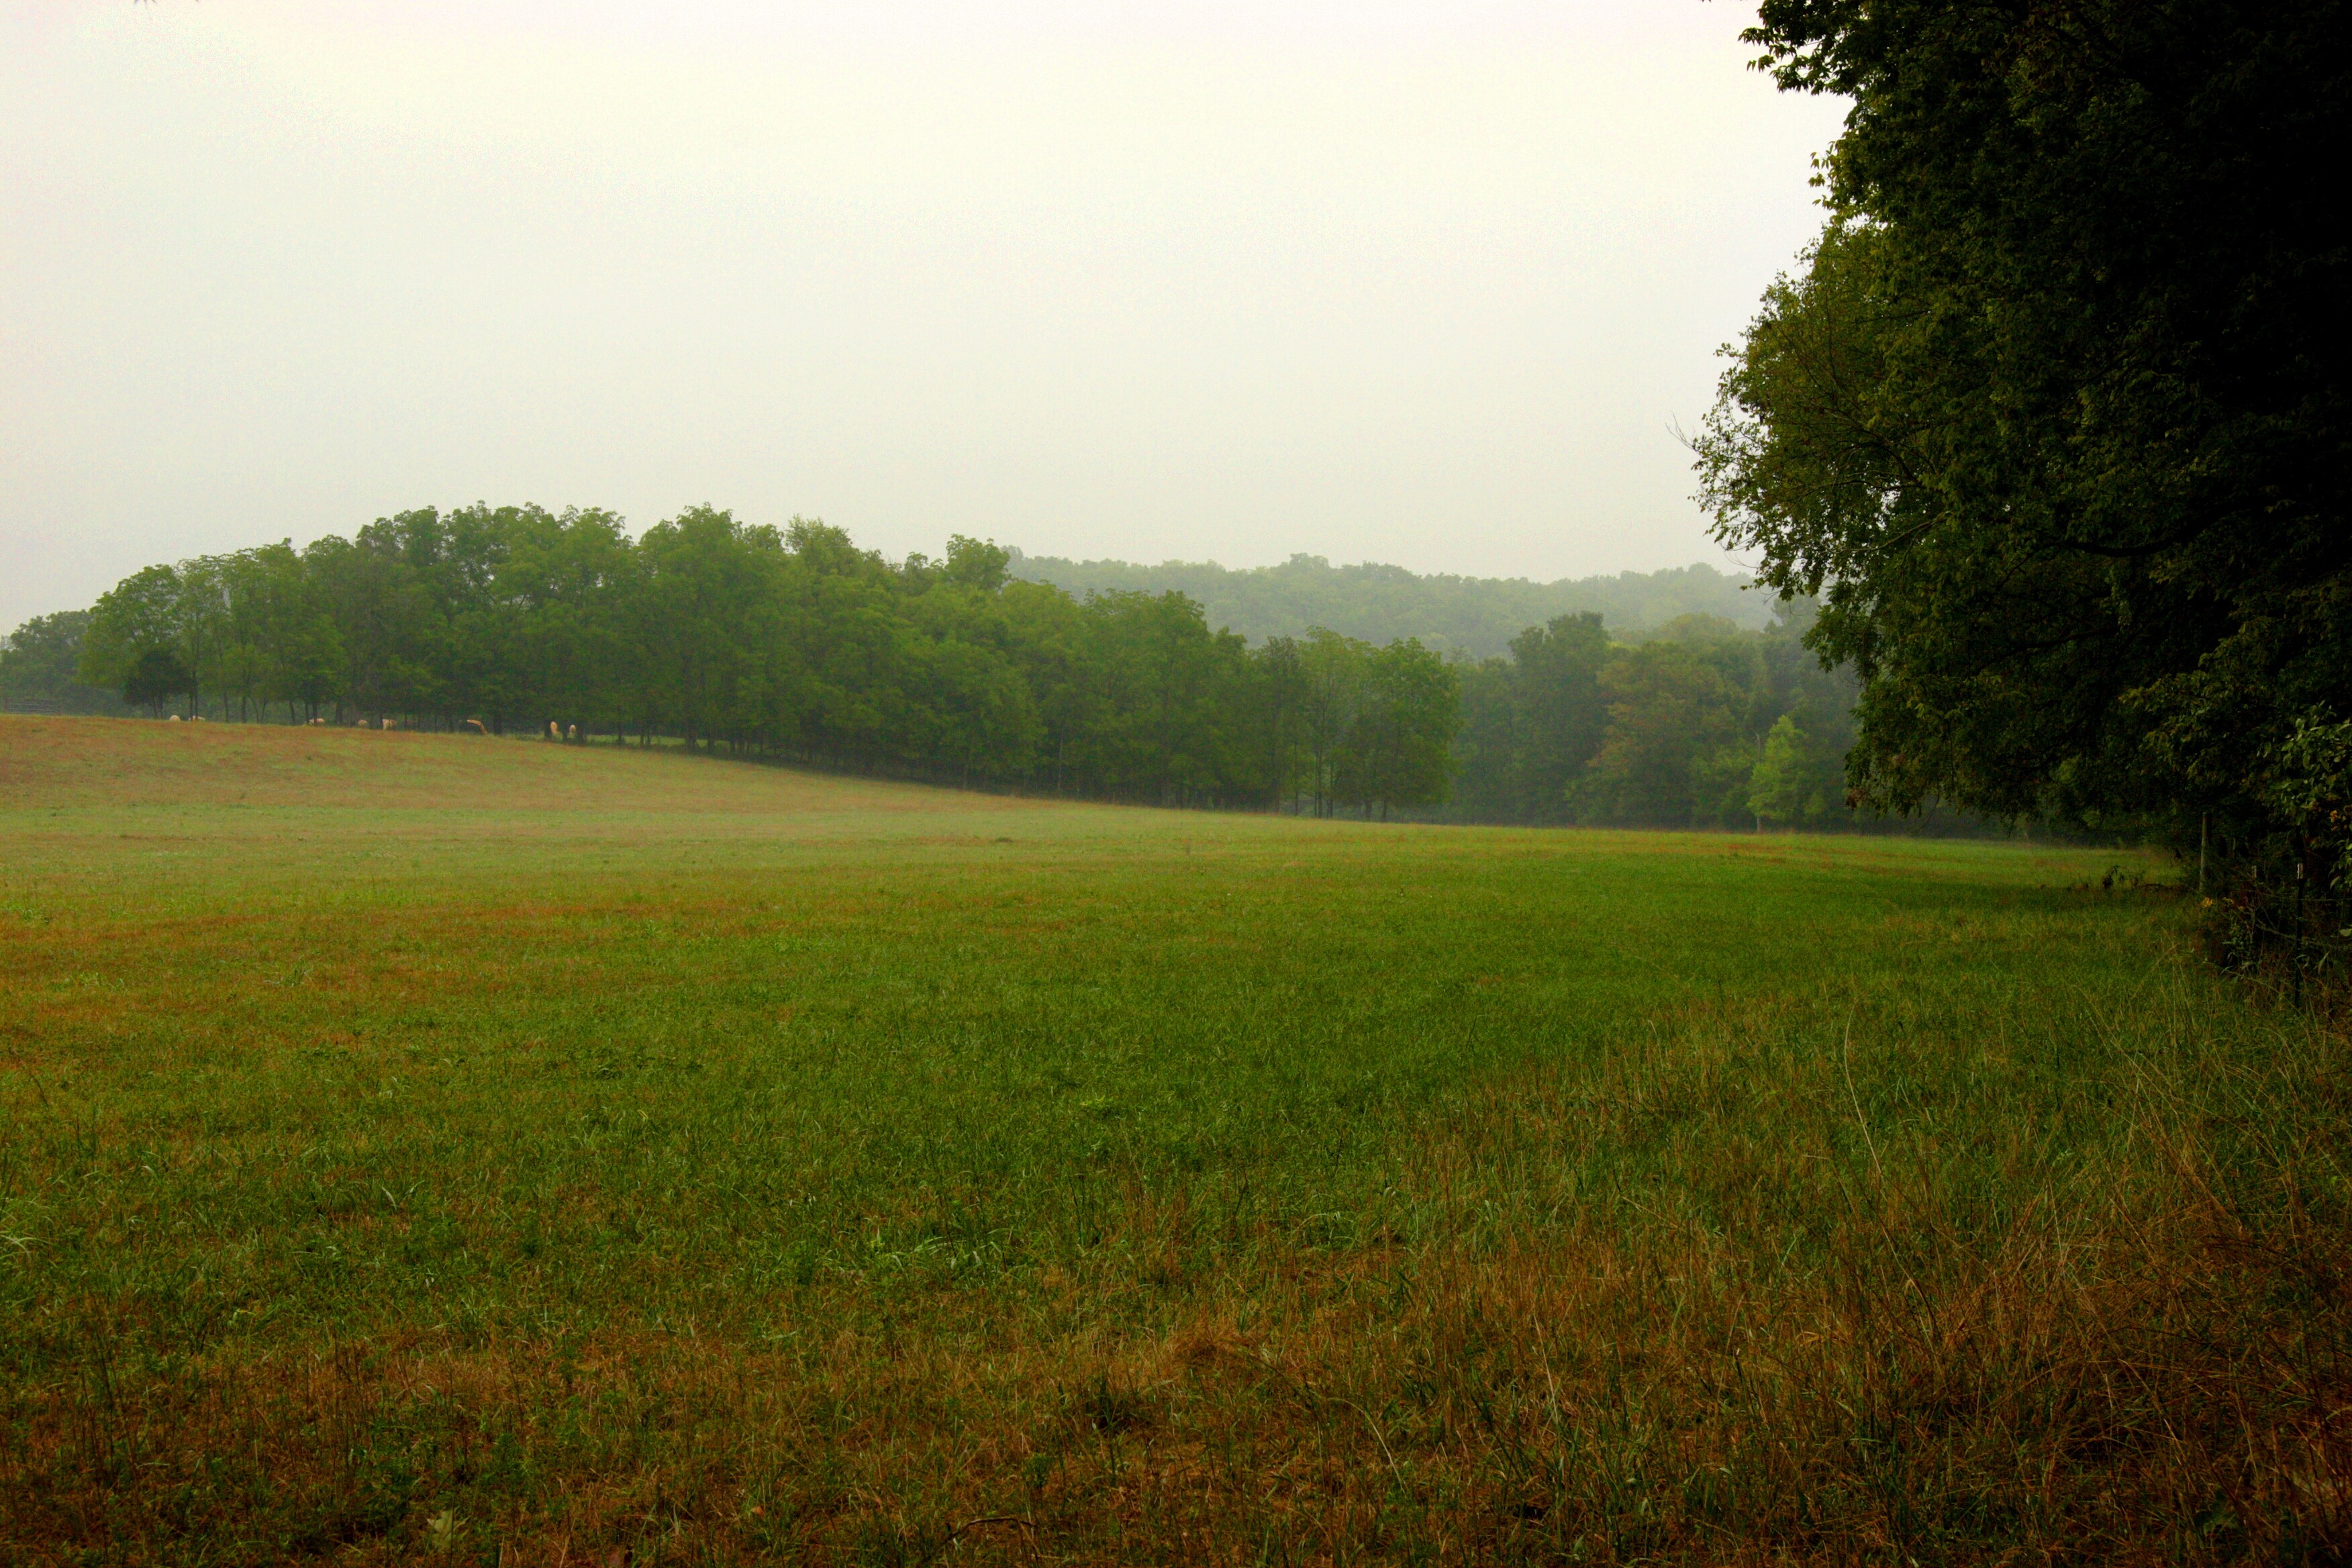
(795, 644)
(791, 643)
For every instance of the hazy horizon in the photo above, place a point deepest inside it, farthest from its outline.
(1399, 283)
(1721, 565)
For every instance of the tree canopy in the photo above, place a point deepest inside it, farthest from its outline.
(40, 669)
(2052, 415)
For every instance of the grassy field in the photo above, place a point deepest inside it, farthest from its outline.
(492, 1151)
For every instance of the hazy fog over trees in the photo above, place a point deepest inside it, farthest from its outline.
(1478, 616)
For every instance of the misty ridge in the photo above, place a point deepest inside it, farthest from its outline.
(1473, 618)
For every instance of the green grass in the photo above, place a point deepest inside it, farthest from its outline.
(515, 1152)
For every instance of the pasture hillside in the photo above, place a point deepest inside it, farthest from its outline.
(523, 1154)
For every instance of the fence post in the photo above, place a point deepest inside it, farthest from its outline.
(2294, 953)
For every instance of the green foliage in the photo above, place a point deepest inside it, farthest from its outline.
(1375, 727)
(40, 667)
(1670, 714)
(1775, 790)
(249, 629)
(1702, 724)
(791, 642)
(2052, 415)
(1461, 617)
(154, 678)
(2309, 788)
(1534, 720)
(1397, 747)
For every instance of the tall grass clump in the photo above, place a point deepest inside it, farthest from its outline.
(1918, 1283)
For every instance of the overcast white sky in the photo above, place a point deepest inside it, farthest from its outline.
(1376, 279)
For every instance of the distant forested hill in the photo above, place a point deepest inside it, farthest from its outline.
(1475, 616)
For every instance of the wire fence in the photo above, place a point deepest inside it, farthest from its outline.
(2292, 933)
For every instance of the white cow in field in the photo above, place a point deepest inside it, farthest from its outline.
(389, 725)
(173, 720)
(478, 727)
(572, 731)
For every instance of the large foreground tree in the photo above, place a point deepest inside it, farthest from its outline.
(2052, 416)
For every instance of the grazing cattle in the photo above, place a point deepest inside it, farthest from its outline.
(388, 724)
(477, 726)
(552, 733)
(572, 731)
(173, 720)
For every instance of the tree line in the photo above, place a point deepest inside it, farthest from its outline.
(790, 643)
(795, 644)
